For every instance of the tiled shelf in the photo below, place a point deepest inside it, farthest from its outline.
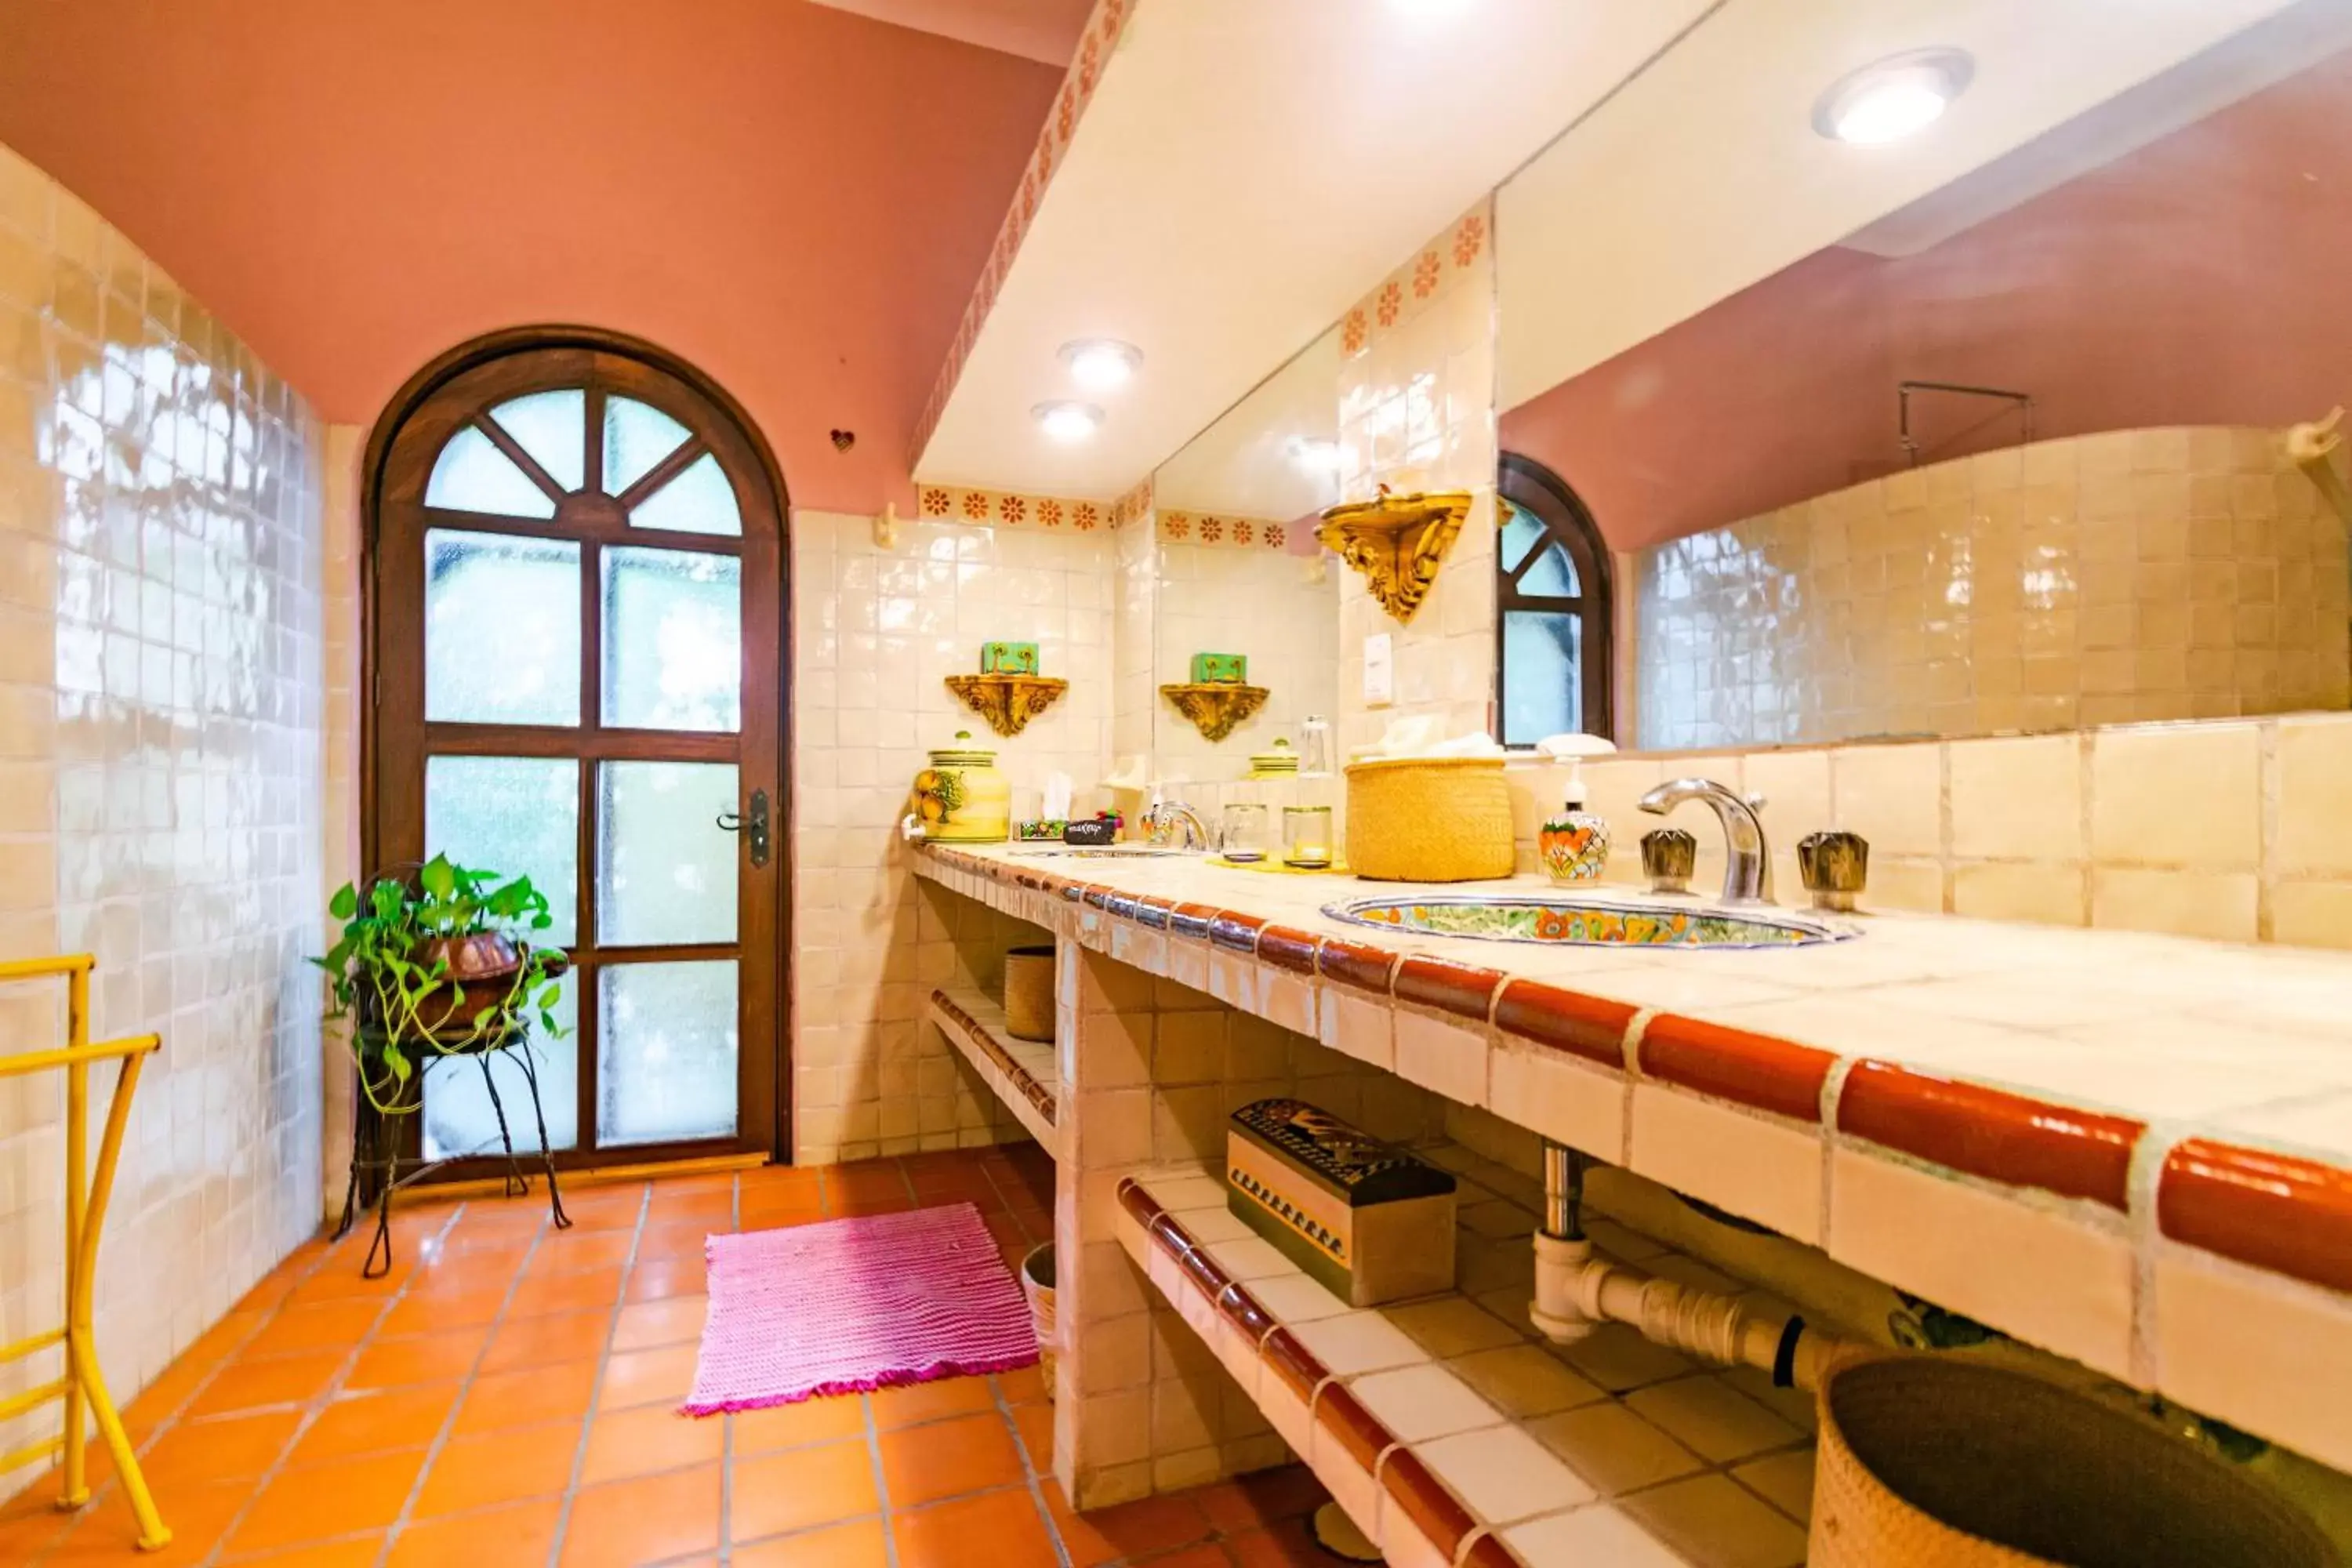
(1451, 1432)
(1021, 1072)
(2152, 1135)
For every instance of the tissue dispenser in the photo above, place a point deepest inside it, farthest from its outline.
(1368, 1220)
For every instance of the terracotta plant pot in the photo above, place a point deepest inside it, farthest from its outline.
(481, 974)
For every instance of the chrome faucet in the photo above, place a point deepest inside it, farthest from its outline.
(1748, 878)
(1164, 818)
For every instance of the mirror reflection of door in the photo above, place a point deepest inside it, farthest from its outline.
(577, 581)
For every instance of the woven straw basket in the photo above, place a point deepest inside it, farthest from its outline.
(1438, 819)
(1933, 1463)
(1029, 992)
(1037, 1284)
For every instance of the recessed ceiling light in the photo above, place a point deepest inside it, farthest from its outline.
(1067, 420)
(1893, 97)
(1100, 364)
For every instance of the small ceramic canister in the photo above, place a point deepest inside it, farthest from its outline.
(961, 798)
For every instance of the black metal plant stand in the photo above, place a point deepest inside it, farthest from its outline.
(378, 1165)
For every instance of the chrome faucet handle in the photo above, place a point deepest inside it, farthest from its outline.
(1748, 869)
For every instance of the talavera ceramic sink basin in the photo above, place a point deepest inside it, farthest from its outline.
(1575, 920)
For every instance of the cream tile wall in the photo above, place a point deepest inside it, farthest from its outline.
(2226, 828)
(161, 777)
(2138, 574)
(1278, 609)
(1134, 597)
(1417, 412)
(875, 634)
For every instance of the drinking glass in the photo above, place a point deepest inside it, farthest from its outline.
(1306, 837)
(1245, 829)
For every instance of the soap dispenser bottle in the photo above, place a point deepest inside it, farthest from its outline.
(1574, 844)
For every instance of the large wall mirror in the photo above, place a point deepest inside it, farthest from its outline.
(1983, 430)
(1229, 564)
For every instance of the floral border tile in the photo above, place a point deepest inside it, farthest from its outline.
(1006, 509)
(1240, 533)
(1433, 271)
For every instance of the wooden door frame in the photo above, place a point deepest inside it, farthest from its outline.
(412, 394)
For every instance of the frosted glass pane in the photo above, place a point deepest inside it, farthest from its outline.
(665, 1064)
(664, 869)
(552, 426)
(501, 629)
(637, 436)
(472, 475)
(461, 1120)
(518, 816)
(1543, 693)
(1520, 532)
(1552, 576)
(673, 640)
(700, 500)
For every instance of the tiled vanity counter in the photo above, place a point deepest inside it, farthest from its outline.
(2134, 1150)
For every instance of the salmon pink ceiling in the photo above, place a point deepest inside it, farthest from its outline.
(792, 197)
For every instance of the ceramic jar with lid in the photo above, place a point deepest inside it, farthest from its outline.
(961, 797)
(1277, 763)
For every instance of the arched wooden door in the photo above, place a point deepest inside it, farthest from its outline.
(577, 668)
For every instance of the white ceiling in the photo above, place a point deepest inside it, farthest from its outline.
(1245, 171)
(1706, 174)
(1248, 463)
(1044, 30)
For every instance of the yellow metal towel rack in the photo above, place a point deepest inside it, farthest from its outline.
(82, 1383)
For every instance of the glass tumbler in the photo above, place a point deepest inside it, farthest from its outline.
(1306, 837)
(1246, 829)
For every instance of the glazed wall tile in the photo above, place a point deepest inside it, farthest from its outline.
(1976, 597)
(164, 766)
(2229, 829)
(877, 632)
(1415, 406)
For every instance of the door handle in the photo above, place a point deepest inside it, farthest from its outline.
(752, 825)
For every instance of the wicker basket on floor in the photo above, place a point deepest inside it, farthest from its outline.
(1928, 1462)
(1429, 819)
(1037, 1284)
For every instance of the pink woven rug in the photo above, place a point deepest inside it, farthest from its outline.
(857, 1304)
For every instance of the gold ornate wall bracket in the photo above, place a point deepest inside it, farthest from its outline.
(1213, 708)
(1396, 541)
(1007, 701)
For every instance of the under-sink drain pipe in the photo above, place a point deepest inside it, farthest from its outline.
(1575, 1292)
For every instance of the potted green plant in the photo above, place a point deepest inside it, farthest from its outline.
(441, 964)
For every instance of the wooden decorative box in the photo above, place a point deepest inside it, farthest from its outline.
(1219, 668)
(1368, 1220)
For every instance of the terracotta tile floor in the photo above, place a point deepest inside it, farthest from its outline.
(508, 1394)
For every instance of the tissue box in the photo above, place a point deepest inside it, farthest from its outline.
(1219, 668)
(1036, 830)
(1368, 1220)
(1008, 658)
